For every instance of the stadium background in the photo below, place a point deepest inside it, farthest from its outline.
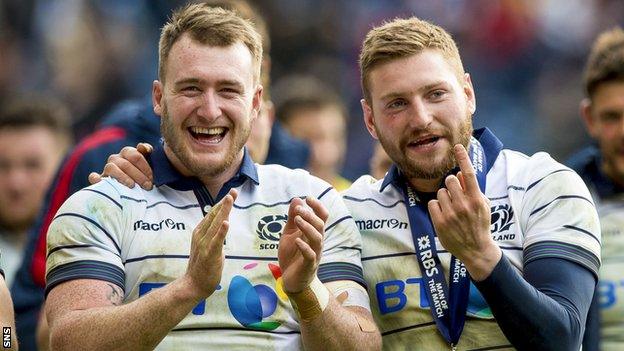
(525, 56)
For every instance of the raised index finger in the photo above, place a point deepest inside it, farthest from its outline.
(468, 173)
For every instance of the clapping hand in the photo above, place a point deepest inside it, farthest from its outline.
(301, 243)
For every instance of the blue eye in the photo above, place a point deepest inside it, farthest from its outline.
(396, 104)
(230, 91)
(437, 94)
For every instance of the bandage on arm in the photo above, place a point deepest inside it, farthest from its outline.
(350, 294)
(311, 302)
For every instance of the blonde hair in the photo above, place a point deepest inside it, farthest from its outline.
(606, 60)
(212, 26)
(249, 12)
(403, 38)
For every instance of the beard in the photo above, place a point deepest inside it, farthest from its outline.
(175, 140)
(428, 167)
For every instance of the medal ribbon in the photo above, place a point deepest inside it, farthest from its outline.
(447, 302)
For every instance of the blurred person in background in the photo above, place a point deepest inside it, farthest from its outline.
(85, 55)
(380, 162)
(311, 111)
(602, 168)
(34, 135)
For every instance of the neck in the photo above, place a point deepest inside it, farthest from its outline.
(611, 173)
(328, 175)
(425, 185)
(214, 182)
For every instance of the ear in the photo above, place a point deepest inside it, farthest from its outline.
(369, 119)
(157, 90)
(587, 116)
(470, 95)
(256, 103)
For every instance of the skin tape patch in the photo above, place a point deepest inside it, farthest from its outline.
(311, 302)
(352, 294)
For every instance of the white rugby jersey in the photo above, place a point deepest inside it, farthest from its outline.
(140, 240)
(540, 209)
(610, 205)
(611, 283)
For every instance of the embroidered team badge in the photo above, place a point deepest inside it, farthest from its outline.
(502, 218)
(270, 227)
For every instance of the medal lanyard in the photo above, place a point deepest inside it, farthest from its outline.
(447, 302)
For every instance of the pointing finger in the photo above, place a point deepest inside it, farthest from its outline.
(468, 173)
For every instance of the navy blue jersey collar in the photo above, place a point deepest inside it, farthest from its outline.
(491, 146)
(166, 174)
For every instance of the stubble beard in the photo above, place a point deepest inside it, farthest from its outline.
(175, 142)
(612, 166)
(427, 168)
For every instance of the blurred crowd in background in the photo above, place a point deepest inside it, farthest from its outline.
(525, 58)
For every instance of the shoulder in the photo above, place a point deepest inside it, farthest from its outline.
(365, 185)
(366, 192)
(107, 193)
(538, 169)
(281, 180)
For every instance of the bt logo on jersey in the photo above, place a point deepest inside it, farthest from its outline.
(608, 291)
(394, 295)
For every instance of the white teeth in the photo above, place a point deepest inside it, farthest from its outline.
(209, 131)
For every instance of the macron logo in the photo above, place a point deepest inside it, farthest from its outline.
(166, 223)
(391, 223)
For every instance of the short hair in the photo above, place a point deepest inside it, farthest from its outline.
(28, 111)
(404, 37)
(606, 60)
(304, 92)
(247, 11)
(212, 26)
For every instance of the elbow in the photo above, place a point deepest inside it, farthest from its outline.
(560, 336)
(59, 339)
(372, 340)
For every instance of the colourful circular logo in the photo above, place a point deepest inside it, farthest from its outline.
(250, 304)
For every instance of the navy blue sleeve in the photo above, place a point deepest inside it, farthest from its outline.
(545, 310)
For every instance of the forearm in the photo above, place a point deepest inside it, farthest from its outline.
(340, 328)
(591, 338)
(7, 318)
(139, 325)
(560, 300)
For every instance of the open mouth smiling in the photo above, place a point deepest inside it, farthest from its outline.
(205, 135)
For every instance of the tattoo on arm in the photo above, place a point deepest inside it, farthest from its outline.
(115, 296)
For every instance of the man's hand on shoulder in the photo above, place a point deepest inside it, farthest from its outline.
(129, 167)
